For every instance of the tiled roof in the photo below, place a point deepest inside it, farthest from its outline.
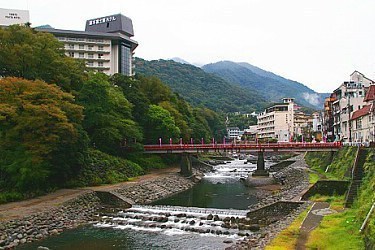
(370, 96)
(361, 112)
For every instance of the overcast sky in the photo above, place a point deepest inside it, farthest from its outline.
(319, 43)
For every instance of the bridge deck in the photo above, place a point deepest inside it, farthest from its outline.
(267, 147)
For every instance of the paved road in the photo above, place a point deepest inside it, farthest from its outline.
(14, 210)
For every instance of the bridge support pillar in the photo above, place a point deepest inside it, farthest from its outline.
(186, 165)
(260, 171)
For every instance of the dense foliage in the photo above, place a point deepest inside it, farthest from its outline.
(366, 198)
(62, 126)
(41, 137)
(38, 55)
(102, 168)
(200, 88)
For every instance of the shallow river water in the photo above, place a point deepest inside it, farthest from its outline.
(177, 222)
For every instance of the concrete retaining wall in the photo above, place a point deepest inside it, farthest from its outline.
(327, 187)
(273, 212)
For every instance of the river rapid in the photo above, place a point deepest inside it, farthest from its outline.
(193, 219)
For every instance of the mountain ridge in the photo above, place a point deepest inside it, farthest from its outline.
(270, 85)
(201, 88)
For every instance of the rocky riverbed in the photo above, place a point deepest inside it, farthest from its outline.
(295, 180)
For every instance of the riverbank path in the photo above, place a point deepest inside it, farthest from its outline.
(19, 209)
(311, 221)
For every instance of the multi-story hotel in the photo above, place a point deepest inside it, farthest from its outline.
(363, 120)
(105, 45)
(277, 121)
(347, 99)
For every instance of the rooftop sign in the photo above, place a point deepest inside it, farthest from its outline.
(9, 17)
(102, 20)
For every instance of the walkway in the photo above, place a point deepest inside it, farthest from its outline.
(312, 220)
(14, 210)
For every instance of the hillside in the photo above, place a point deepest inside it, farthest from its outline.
(271, 86)
(200, 88)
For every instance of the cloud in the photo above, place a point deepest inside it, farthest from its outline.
(311, 98)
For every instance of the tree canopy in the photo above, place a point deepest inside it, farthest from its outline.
(41, 137)
(33, 55)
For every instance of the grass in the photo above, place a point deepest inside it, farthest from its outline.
(336, 202)
(313, 177)
(287, 239)
(336, 232)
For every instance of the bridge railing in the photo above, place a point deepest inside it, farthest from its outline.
(277, 145)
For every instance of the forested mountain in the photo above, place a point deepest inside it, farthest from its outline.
(200, 88)
(271, 86)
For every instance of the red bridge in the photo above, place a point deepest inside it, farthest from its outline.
(247, 147)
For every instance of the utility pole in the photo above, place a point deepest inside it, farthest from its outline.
(350, 123)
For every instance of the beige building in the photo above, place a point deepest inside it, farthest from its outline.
(303, 123)
(277, 121)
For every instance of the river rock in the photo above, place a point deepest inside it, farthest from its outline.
(210, 217)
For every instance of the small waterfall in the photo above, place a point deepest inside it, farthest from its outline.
(172, 220)
(235, 169)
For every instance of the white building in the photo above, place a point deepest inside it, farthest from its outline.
(233, 132)
(349, 98)
(277, 121)
(11, 17)
(363, 120)
(105, 45)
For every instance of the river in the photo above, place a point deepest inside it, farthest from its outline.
(178, 222)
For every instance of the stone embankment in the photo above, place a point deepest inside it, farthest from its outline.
(83, 209)
(38, 226)
(147, 192)
(294, 180)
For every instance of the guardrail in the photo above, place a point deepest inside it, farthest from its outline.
(356, 144)
(259, 146)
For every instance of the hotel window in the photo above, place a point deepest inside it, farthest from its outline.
(125, 59)
(100, 64)
(90, 64)
(100, 47)
(91, 56)
(100, 56)
(90, 47)
(71, 46)
(81, 46)
(81, 55)
(71, 54)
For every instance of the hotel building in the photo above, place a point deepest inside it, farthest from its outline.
(277, 121)
(105, 45)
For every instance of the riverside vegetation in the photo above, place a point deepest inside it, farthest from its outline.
(62, 125)
(339, 230)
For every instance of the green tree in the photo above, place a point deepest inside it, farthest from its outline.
(29, 54)
(41, 138)
(160, 125)
(108, 119)
(132, 91)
